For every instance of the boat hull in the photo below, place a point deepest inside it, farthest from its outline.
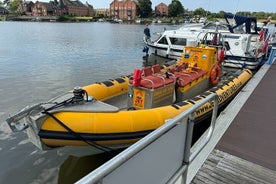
(122, 127)
(163, 51)
(251, 63)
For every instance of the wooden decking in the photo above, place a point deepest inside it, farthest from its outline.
(246, 150)
(223, 168)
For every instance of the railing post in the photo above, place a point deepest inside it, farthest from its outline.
(271, 55)
(188, 144)
(189, 136)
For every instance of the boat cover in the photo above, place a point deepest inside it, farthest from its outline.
(240, 20)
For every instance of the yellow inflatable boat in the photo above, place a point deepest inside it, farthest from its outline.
(86, 116)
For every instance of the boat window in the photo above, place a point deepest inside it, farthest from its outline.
(163, 40)
(231, 36)
(213, 26)
(178, 41)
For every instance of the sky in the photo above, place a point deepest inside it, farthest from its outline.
(213, 6)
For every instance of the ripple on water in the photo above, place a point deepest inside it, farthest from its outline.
(24, 142)
(39, 161)
(47, 176)
(6, 136)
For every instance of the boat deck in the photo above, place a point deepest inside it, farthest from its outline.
(246, 153)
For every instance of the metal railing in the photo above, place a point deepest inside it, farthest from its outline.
(271, 57)
(154, 145)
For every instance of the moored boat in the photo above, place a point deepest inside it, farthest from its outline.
(170, 43)
(247, 45)
(154, 94)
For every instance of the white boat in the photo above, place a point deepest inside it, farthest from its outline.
(247, 48)
(245, 51)
(170, 43)
(242, 39)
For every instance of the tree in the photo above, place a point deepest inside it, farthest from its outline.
(144, 8)
(200, 12)
(220, 14)
(175, 8)
(13, 5)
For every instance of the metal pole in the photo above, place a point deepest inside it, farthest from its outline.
(271, 55)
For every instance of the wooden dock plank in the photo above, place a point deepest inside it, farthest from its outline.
(221, 167)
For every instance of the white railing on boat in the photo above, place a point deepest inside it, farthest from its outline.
(163, 156)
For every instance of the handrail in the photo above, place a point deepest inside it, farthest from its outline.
(210, 131)
(188, 158)
(13, 120)
(121, 158)
(271, 57)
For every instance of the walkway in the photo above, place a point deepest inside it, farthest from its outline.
(252, 134)
(246, 152)
(223, 168)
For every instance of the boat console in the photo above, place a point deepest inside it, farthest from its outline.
(154, 88)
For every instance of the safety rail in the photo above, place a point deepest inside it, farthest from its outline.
(162, 156)
(271, 57)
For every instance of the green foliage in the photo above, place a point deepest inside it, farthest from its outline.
(175, 9)
(144, 8)
(12, 5)
(71, 18)
(200, 12)
(63, 18)
(101, 16)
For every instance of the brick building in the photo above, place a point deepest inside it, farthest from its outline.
(44, 9)
(55, 8)
(124, 9)
(77, 8)
(161, 10)
(102, 11)
(25, 7)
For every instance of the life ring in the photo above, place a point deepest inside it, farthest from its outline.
(215, 75)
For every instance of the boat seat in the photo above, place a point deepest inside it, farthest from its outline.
(147, 71)
(154, 82)
(184, 78)
(200, 72)
(181, 67)
(156, 69)
(152, 78)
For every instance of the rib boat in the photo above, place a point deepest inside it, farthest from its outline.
(153, 94)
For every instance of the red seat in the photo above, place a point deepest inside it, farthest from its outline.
(147, 71)
(156, 68)
(153, 82)
(183, 78)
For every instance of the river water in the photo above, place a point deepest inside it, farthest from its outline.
(39, 61)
